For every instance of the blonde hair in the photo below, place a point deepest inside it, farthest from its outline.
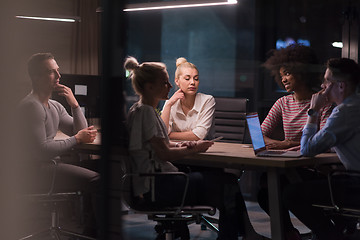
(181, 63)
(147, 72)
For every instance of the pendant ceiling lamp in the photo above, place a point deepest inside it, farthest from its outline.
(176, 4)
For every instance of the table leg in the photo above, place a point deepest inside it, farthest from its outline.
(275, 205)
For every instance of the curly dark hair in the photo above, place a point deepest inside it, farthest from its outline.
(298, 60)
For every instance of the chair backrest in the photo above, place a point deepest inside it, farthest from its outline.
(230, 119)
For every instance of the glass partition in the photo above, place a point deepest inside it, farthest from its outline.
(228, 44)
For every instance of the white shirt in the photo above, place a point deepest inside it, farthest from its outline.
(199, 119)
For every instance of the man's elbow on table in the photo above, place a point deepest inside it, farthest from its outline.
(306, 153)
(305, 147)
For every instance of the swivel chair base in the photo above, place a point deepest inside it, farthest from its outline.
(55, 231)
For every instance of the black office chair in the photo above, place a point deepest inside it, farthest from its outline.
(230, 123)
(53, 199)
(351, 214)
(230, 119)
(168, 218)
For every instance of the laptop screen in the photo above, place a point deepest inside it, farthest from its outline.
(255, 131)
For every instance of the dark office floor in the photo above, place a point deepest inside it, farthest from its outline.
(38, 219)
(136, 226)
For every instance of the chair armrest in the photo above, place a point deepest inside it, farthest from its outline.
(180, 207)
(326, 168)
(34, 171)
(331, 176)
(51, 190)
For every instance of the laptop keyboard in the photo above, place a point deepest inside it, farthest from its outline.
(271, 152)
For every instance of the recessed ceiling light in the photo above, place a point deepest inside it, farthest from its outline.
(337, 44)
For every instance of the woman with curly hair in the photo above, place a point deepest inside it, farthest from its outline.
(296, 70)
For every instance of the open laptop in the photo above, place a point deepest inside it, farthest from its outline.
(258, 142)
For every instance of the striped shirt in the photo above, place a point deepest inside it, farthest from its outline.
(293, 116)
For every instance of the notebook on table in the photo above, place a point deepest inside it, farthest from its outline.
(258, 142)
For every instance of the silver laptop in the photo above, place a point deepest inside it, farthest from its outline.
(258, 142)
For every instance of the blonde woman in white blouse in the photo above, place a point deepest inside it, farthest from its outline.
(188, 114)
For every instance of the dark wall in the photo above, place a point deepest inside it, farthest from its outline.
(320, 22)
(218, 40)
(89, 102)
(228, 44)
(21, 38)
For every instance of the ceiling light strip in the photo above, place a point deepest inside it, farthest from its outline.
(47, 18)
(174, 4)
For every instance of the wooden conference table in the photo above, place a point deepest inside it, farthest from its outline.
(241, 156)
(90, 148)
